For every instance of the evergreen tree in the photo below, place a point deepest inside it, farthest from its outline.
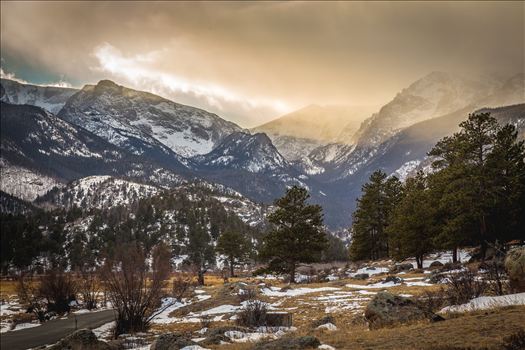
(235, 247)
(200, 251)
(479, 183)
(297, 235)
(370, 219)
(412, 225)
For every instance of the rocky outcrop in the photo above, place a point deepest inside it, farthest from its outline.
(515, 267)
(172, 341)
(387, 309)
(83, 339)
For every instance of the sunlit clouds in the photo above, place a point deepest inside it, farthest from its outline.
(139, 71)
(251, 62)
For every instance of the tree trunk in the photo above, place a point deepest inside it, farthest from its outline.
(455, 255)
(419, 261)
(231, 267)
(200, 277)
(483, 234)
(292, 273)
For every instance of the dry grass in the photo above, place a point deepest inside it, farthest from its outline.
(477, 330)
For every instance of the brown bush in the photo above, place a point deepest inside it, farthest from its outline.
(253, 314)
(464, 286)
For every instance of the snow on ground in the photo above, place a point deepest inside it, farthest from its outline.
(328, 326)
(260, 334)
(105, 331)
(168, 306)
(10, 308)
(378, 285)
(443, 257)
(484, 303)
(276, 291)
(18, 327)
(369, 270)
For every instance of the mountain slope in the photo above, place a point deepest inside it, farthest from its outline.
(48, 97)
(96, 192)
(136, 121)
(251, 165)
(40, 151)
(299, 132)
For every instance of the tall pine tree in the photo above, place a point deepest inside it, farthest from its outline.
(297, 235)
(412, 225)
(370, 219)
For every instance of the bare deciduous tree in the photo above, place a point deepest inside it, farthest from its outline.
(134, 290)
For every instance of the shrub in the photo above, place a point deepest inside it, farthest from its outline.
(59, 289)
(253, 314)
(432, 300)
(464, 286)
(247, 294)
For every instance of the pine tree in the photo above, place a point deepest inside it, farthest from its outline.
(235, 247)
(370, 219)
(297, 235)
(412, 225)
(479, 168)
(200, 249)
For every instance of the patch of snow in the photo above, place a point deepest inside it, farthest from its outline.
(276, 292)
(328, 326)
(484, 303)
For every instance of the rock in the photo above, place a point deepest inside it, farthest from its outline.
(386, 309)
(172, 341)
(401, 267)
(298, 343)
(323, 320)
(436, 264)
(83, 339)
(215, 339)
(451, 266)
(278, 319)
(393, 279)
(515, 267)
(221, 330)
(361, 276)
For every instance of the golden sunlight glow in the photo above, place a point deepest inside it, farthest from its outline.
(139, 71)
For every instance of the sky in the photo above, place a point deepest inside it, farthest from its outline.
(251, 62)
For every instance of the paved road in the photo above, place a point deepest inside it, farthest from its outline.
(52, 331)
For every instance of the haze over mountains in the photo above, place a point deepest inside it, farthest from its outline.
(53, 136)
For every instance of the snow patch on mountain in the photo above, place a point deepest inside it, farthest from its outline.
(24, 183)
(97, 192)
(115, 113)
(50, 98)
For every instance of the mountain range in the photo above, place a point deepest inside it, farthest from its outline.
(64, 147)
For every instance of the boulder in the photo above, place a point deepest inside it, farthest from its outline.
(361, 276)
(393, 279)
(83, 339)
(436, 264)
(515, 267)
(387, 309)
(401, 267)
(324, 320)
(172, 341)
(297, 343)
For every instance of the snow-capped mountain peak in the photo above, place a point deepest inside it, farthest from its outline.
(119, 114)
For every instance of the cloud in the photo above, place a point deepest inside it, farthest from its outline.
(12, 76)
(140, 71)
(248, 60)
